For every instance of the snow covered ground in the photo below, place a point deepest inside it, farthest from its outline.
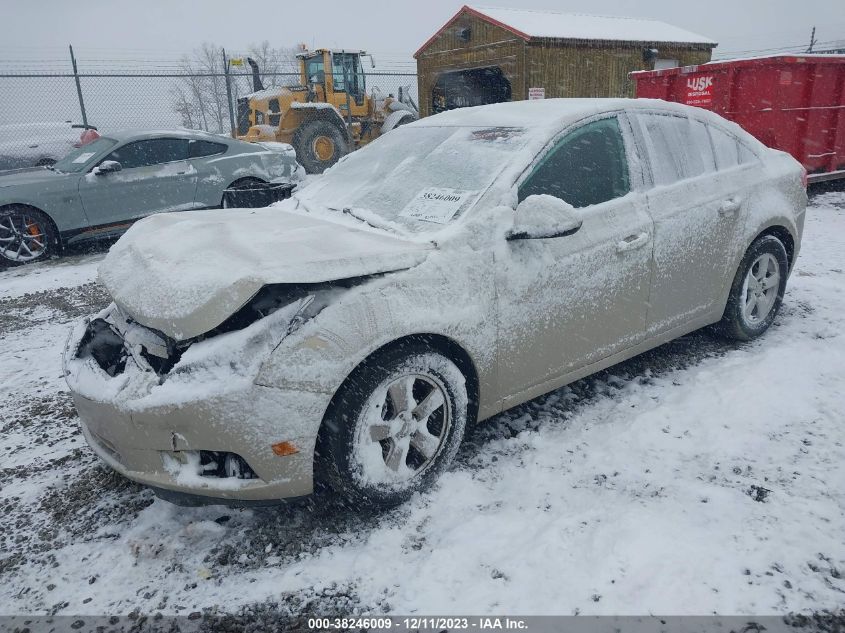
(701, 477)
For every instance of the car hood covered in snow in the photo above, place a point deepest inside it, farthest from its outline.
(28, 176)
(185, 273)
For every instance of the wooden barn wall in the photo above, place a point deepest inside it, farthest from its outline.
(595, 70)
(592, 69)
(489, 45)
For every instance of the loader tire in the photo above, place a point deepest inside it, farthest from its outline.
(319, 145)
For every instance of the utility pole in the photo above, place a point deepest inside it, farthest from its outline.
(78, 88)
(229, 94)
(812, 40)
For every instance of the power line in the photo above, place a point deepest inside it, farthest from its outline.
(791, 48)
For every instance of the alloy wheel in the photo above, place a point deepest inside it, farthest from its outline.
(22, 237)
(760, 288)
(403, 429)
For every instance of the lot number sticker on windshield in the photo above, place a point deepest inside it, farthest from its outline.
(436, 205)
(83, 157)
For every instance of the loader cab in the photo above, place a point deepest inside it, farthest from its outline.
(331, 74)
(313, 71)
(348, 75)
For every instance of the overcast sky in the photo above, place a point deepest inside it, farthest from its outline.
(164, 30)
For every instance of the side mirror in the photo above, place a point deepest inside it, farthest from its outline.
(543, 217)
(107, 167)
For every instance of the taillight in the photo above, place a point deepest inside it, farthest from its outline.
(804, 177)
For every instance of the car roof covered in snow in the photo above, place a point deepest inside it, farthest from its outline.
(131, 134)
(542, 113)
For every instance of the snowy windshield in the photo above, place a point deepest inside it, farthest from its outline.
(417, 177)
(78, 159)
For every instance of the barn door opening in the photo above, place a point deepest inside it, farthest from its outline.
(464, 88)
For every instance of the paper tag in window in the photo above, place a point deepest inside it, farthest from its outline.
(83, 157)
(436, 205)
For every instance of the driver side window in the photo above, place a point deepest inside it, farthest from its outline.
(588, 166)
(150, 152)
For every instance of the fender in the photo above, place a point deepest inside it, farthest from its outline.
(321, 111)
(318, 357)
(395, 118)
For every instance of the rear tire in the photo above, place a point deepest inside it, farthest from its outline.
(319, 145)
(26, 236)
(757, 290)
(394, 426)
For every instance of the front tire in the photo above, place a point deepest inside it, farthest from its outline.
(394, 426)
(757, 290)
(319, 145)
(26, 236)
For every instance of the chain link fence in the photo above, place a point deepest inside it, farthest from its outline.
(38, 110)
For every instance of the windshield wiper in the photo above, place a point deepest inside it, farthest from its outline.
(368, 221)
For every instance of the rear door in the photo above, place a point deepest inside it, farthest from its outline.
(570, 301)
(696, 199)
(155, 176)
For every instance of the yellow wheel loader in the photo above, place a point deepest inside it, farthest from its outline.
(325, 117)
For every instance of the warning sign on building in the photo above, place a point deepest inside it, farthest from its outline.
(536, 93)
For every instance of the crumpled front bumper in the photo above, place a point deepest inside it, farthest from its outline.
(146, 428)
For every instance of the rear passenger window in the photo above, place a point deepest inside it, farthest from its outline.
(697, 149)
(588, 166)
(726, 148)
(199, 149)
(678, 147)
(660, 138)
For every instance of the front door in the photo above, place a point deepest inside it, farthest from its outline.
(155, 176)
(570, 301)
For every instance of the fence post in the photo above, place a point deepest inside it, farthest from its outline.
(229, 94)
(78, 88)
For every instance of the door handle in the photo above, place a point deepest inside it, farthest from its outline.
(632, 242)
(730, 206)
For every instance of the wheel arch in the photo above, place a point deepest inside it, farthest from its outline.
(241, 179)
(784, 235)
(53, 225)
(777, 229)
(297, 118)
(235, 182)
(397, 118)
(438, 342)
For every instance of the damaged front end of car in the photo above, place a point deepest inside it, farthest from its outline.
(114, 340)
(185, 415)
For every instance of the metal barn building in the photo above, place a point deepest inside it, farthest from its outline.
(485, 55)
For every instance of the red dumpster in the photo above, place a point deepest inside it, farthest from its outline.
(792, 103)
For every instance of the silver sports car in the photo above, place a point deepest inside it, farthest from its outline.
(100, 189)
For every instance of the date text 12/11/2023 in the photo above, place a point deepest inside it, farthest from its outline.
(418, 623)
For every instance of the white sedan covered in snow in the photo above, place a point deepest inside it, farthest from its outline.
(452, 269)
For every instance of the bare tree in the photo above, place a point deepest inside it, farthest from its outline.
(275, 63)
(200, 97)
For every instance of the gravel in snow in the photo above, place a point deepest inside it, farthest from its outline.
(700, 477)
